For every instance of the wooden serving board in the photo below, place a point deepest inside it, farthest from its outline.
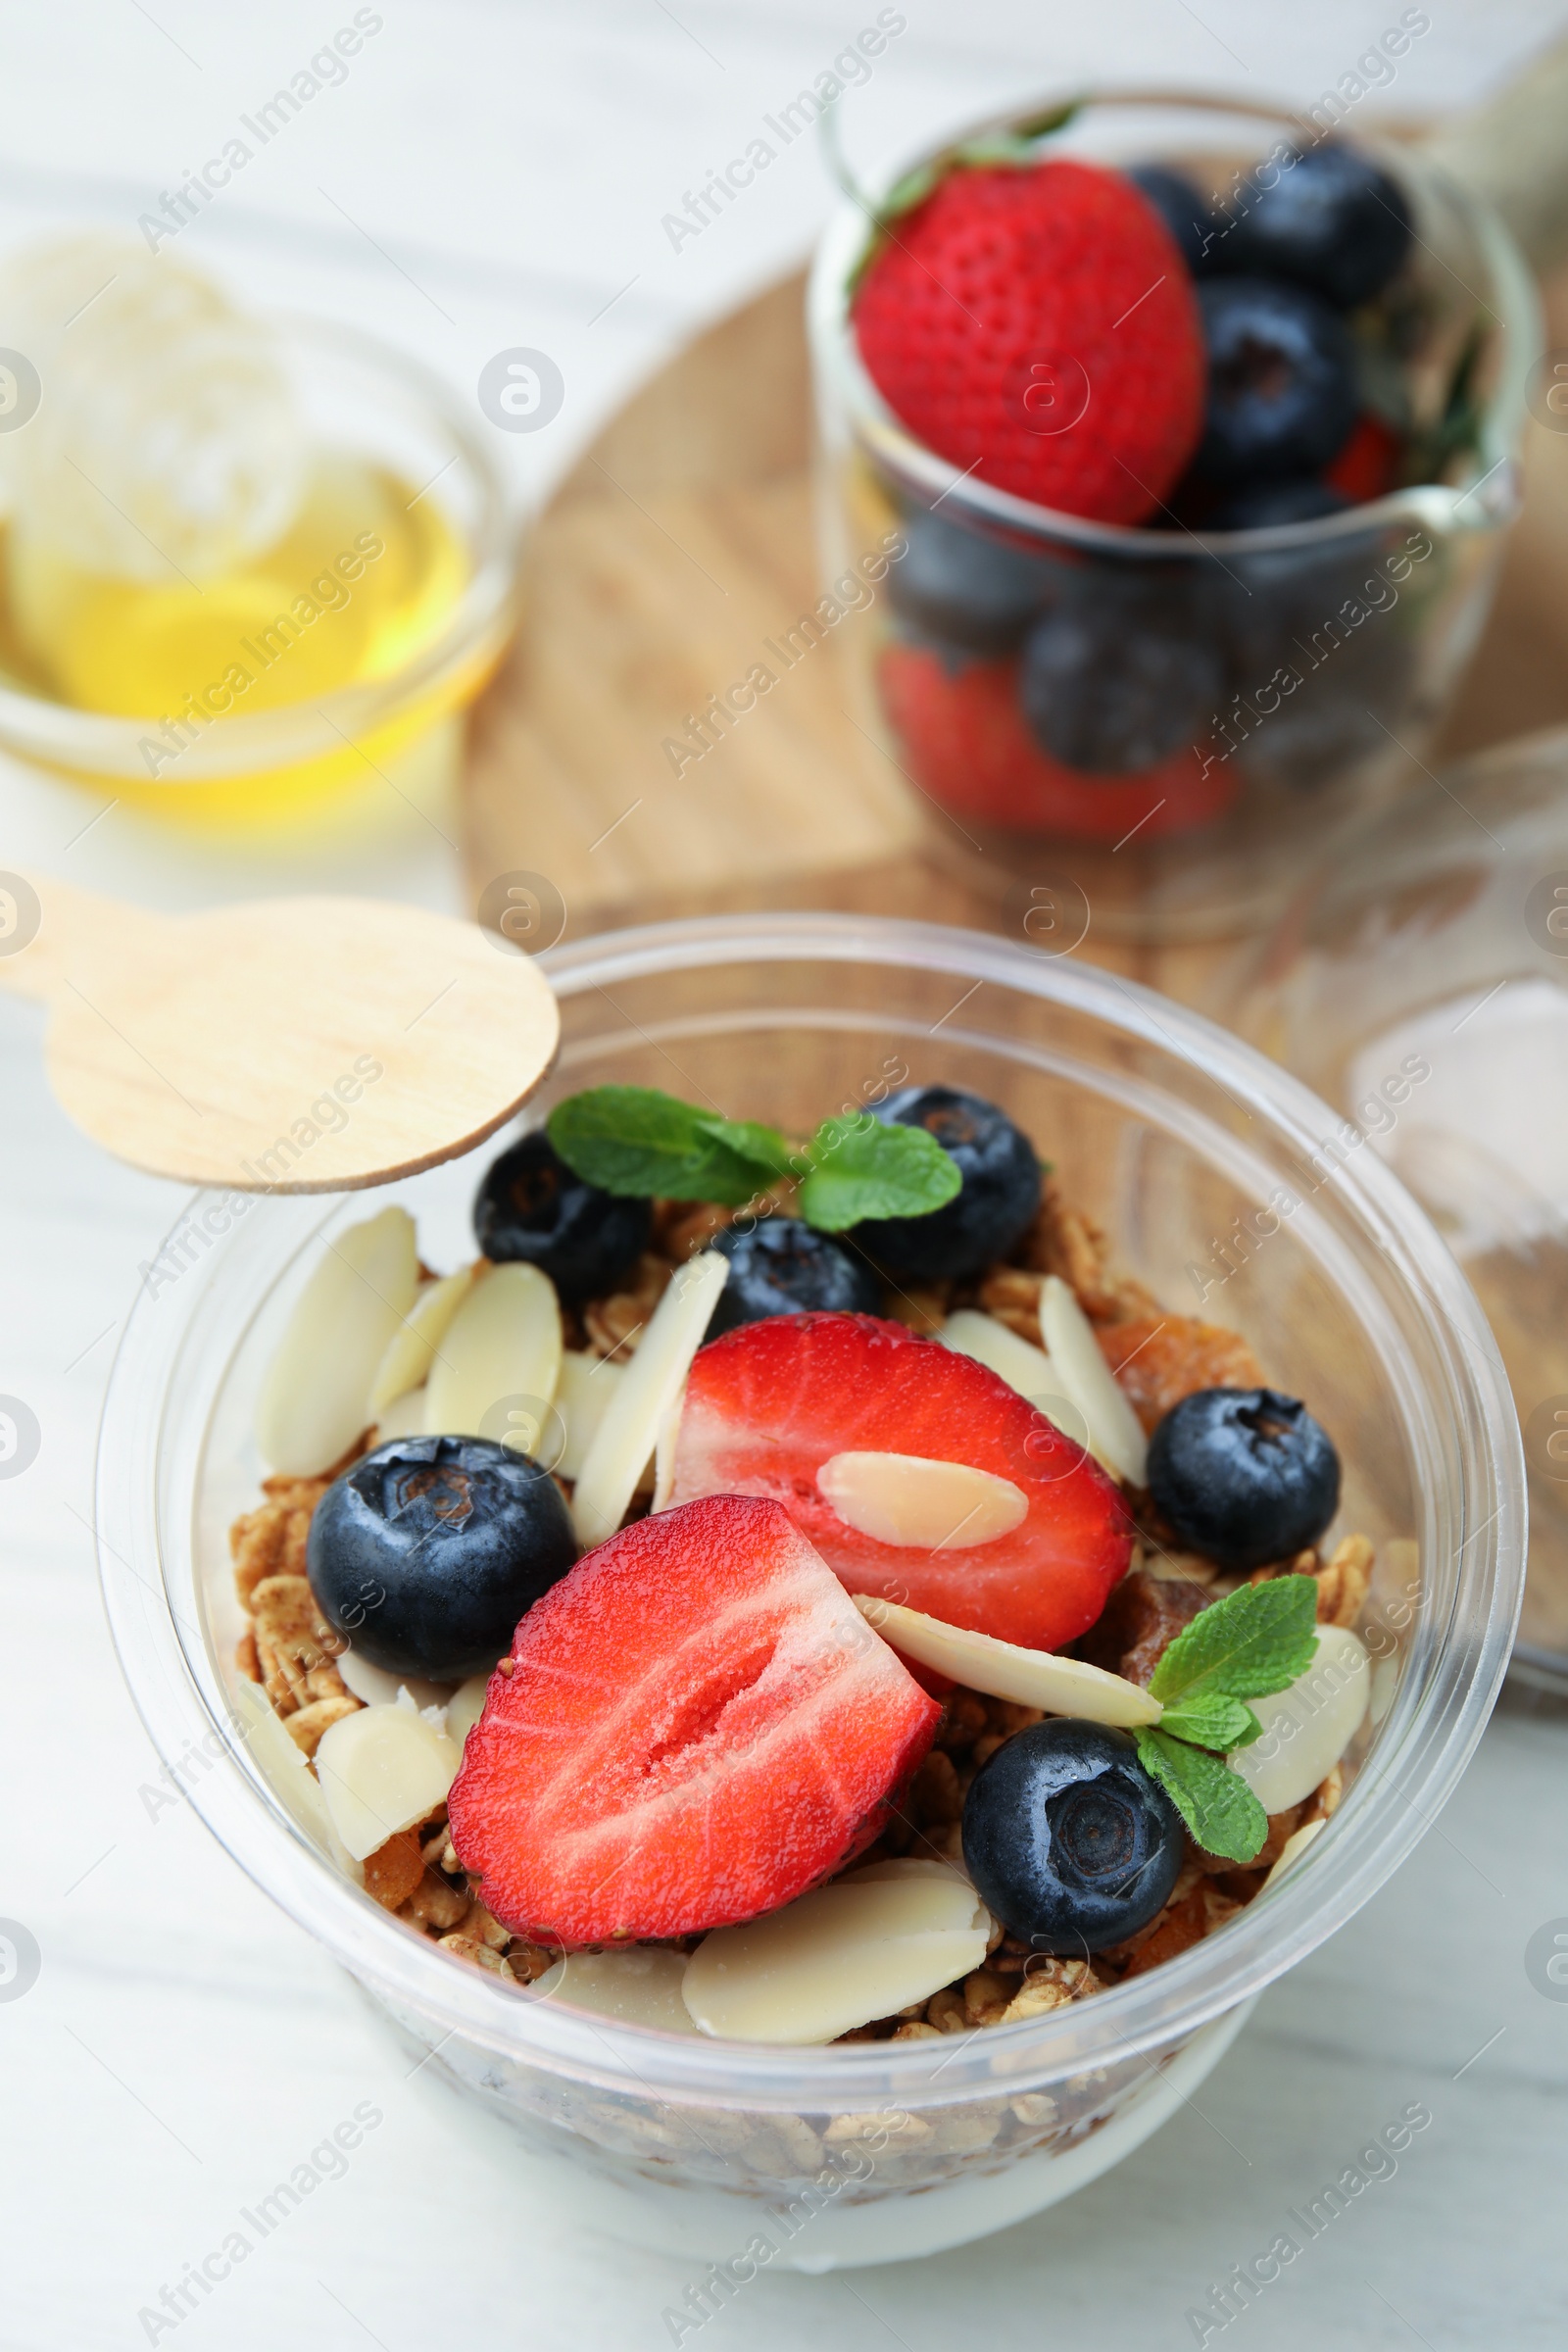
(682, 544)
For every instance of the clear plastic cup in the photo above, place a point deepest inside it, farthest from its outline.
(1323, 655)
(1192, 1149)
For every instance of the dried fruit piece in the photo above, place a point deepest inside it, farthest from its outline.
(412, 1350)
(1033, 1678)
(500, 1351)
(906, 1499)
(381, 1771)
(314, 1400)
(1142, 1619)
(864, 1946)
(1160, 1359)
(394, 1869)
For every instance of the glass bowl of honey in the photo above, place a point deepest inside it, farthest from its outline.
(245, 580)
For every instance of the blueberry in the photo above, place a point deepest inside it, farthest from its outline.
(1068, 1841)
(1339, 716)
(1121, 678)
(532, 1208)
(1333, 221)
(1181, 206)
(963, 589)
(995, 1208)
(1282, 391)
(426, 1554)
(1243, 1476)
(1271, 505)
(782, 1266)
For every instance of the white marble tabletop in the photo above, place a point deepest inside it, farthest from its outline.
(488, 176)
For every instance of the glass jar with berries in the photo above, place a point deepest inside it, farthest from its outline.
(1187, 433)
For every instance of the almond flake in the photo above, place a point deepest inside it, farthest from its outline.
(904, 1499)
(586, 1385)
(313, 1401)
(465, 1708)
(1030, 1678)
(1023, 1365)
(1307, 1727)
(381, 1771)
(1116, 1434)
(499, 1360)
(623, 1445)
(857, 1948)
(639, 1986)
(411, 1351)
(376, 1687)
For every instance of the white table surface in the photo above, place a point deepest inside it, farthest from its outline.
(504, 170)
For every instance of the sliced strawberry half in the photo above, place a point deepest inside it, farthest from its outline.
(695, 1729)
(767, 1405)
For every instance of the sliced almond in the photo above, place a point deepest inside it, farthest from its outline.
(860, 1948)
(665, 1448)
(904, 1499)
(1293, 1848)
(499, 1363)
(280, 1762)
(1030, 1678)
(381, 1771)
(1307, 1727)
(1023, 1367)
(1116, 1434)
(313, 1401)
(586, 1385)
(377, 1688)
(412, 1348)
(465, 1708)
(639, 1986)
(404, 1417)
(623, 1444)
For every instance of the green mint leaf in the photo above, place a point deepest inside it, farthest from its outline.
(861, 1168)
(1211, 1719)
(1216, 1804)
(633, 1140)
(761, 1147)
(1256, 1639)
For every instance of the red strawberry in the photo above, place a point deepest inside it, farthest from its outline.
(697, 1725)
(1039, 327)
(1368, 463)
(768, 1404)
(963, 739)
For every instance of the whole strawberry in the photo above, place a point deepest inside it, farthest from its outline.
(1036, 327)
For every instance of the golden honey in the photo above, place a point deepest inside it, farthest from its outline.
(363, 577)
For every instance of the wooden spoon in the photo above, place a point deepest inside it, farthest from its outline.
(282, 1044)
